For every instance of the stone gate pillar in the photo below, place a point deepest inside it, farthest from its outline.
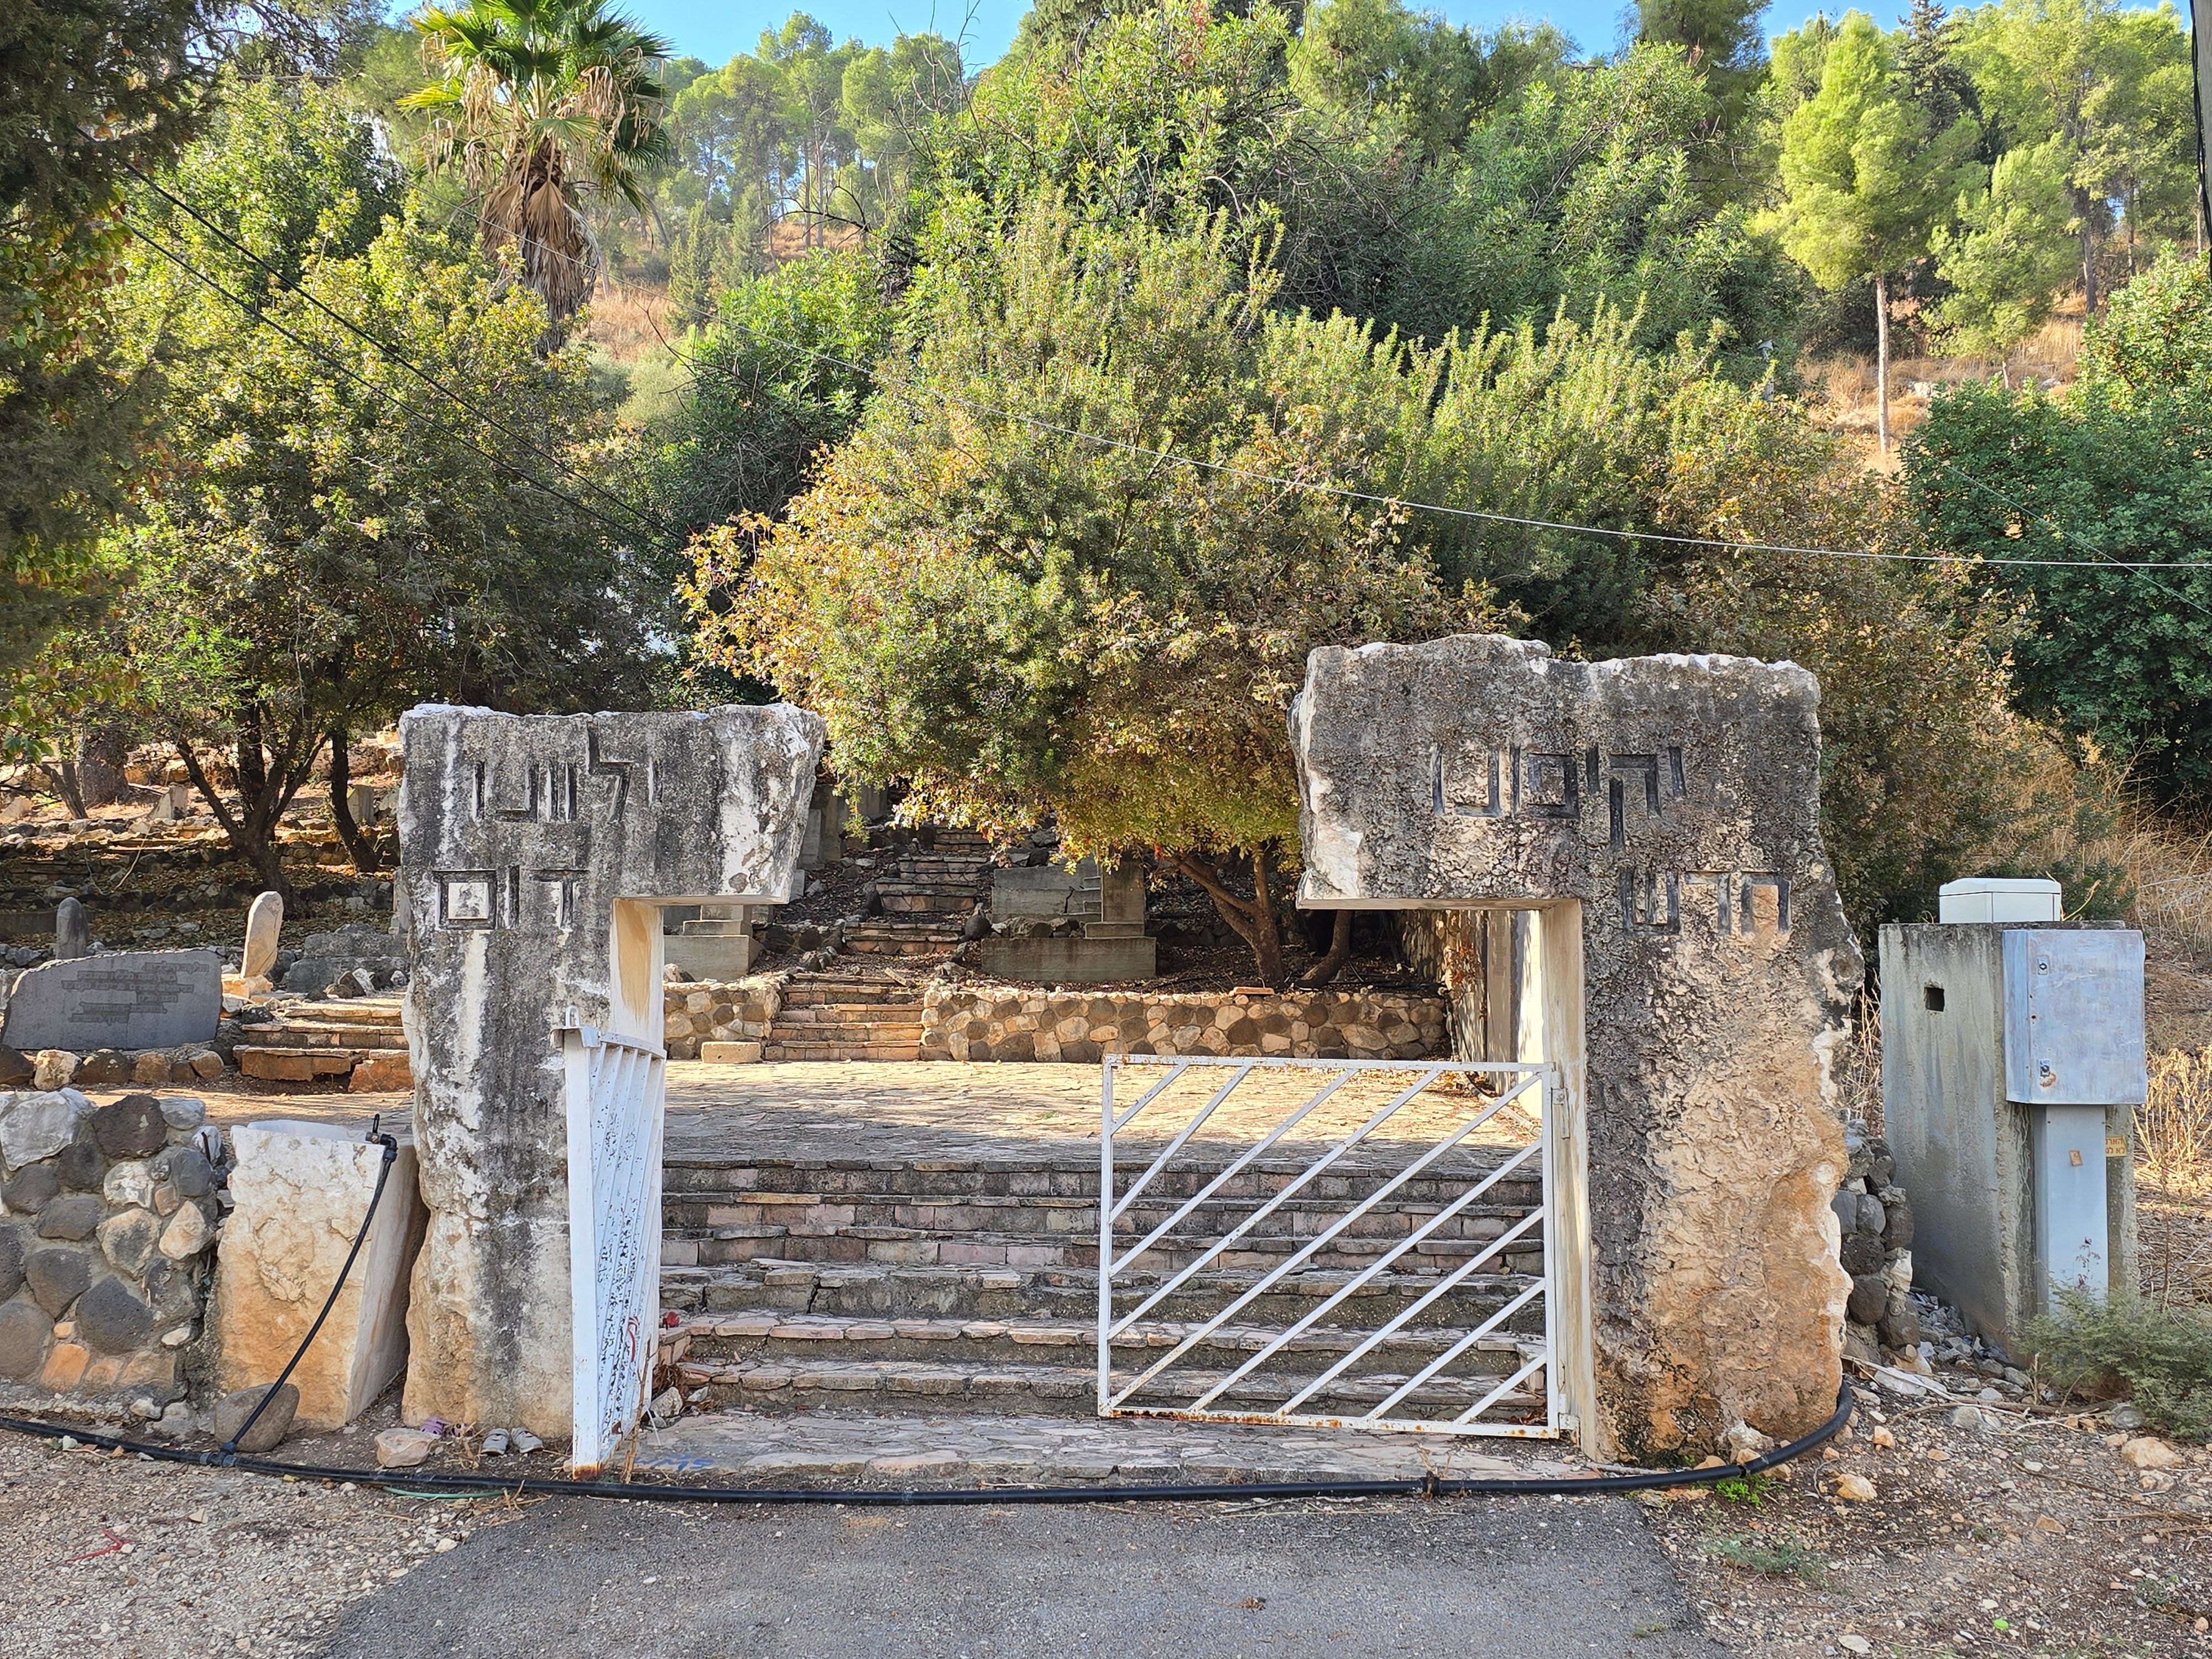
(536, 853)
(1690, 971)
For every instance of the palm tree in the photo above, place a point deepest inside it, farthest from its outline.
(546, 108)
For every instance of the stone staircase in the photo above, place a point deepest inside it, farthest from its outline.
(970, 1284)
(928, 895)
(846, 1016)
(359, 1039)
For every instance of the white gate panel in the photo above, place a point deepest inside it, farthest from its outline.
(1377, 1340)
(617, 1090)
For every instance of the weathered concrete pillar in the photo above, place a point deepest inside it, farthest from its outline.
(1689, 967)
(535, 853)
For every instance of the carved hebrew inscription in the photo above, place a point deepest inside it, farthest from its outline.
(594, 787)
(1539, 783)
(1631, 787)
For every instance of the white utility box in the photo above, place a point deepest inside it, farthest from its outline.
(1999, 898)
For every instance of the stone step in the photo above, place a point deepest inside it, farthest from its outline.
(768, 1334)
(820, 1016)
(956, 1218)
(849, 994)
(884, 1052)
(298, 1065)
(865, 1033)
(790, 1288)
(303, 1034)
(870, 939)
(928, 904)
(346, 1011)
(922, 1179)
(801, 1384)
(918, 1247)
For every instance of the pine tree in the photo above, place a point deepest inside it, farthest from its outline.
(1865, 176)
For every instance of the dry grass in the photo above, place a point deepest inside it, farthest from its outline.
(1859, 1065)
(626, 321)
(1841, 389)
(2173, 1126)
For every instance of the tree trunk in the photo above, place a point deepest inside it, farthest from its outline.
(1253, 919)
(2088, 270)
(61, 778)
(264, 792)
(1268, 943)
(1881, 361)
(1339, 952)
(100, 755)
(360, 845)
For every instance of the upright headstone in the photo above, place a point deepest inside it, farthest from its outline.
(72, 931)
(264, 920)
(534, 855)
(1690, 969)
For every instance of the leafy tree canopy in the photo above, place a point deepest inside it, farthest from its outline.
(2112, 470)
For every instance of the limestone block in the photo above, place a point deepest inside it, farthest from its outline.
(64, 1368)
(187, 1234)
(54, 1068)
(72, 931)
(125, 1000)
(1661, 817)
(300, 1190)
(535, 853)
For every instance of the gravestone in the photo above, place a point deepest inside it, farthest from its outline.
(264, 920)
(1691, 973)
(122, 999)
(536, 853)
(72, 931)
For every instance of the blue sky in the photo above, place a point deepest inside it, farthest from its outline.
(716, 29)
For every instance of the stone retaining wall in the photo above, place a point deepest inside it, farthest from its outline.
(107, 1218)
(739, 1011)
(1011, 1022)
(1874, 1221)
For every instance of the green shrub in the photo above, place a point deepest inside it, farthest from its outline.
(2164, 1355)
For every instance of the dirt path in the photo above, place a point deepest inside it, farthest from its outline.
(2028, 1536)
(121, 1556)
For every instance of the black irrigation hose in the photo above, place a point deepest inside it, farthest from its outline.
(1427, 1485)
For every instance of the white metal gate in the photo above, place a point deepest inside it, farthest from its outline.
(1264, 1234)
(616, 1091)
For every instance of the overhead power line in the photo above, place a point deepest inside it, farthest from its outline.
(258, 315)
(396, 356)
(1346, 492)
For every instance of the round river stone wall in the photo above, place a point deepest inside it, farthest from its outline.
(1010, 1022)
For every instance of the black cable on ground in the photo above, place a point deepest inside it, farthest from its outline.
(1426, 1486)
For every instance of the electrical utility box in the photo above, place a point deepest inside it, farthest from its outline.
(2012, 1062)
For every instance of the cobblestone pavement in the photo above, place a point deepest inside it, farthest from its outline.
(1531, 1577)
(810, 1447)
(913, 1109)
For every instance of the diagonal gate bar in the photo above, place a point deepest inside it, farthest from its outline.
(1369, 1262)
